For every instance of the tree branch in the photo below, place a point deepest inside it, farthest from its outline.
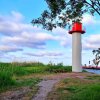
(95, 4)
(98, 2)
(92, 6)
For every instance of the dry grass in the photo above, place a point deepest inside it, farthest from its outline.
(69, 87)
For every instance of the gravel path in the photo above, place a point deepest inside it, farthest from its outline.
(45, 87)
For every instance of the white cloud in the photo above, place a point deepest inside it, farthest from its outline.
(13, 28)
(91, 42)
(63, 36)
(15, 32)
(45, 54)
(4, 48)
(17, 16)
(89, 20)
(60, 31)
(13, 25)
(29, 39)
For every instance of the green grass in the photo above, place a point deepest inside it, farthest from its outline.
(59, 68)
(94, 77)
(9, 71)
(28, 82)
(76, 89)
(6, 79)
(13, 85)
(89, 92)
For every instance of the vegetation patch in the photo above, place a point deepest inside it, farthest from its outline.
(76, 89)
(11, 73)
(6, 79)
(94, 77)
(13, 85)
(59, 68)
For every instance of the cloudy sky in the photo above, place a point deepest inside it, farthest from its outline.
(20, 41)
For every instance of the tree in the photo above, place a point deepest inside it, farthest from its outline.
(96, 61)
(63, 12)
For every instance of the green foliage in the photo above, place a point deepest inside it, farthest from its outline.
(94, 77)
(59, 68)
(6, 79)
(10, 70)
(91, 92)
(87, 92)
(96, 52)
(6, 75)
(63, 12)
(84, 70)
(79, 89)
(28, 82)
(19, 71)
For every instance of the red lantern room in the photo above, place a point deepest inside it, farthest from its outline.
(77, 27)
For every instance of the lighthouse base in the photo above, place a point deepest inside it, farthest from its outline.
(76, 52)
(75, 69)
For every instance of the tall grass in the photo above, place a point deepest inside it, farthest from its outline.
(6, 79)
(33, 67)
(10, 70)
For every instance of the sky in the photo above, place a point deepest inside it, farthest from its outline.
(21, 41)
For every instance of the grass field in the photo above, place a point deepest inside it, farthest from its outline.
(77, 89)
(11, 73)
(17, 75)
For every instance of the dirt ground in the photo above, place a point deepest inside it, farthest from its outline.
(45, 86)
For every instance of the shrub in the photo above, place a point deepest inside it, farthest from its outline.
(58, 68)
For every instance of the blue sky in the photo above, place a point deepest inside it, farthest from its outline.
(20, 41)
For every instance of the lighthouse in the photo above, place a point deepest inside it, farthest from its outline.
(76, 32)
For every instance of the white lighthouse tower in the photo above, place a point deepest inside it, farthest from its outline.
(76, 32)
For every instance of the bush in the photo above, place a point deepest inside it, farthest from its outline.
(59, 68)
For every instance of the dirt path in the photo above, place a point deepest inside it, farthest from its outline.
(49, 81)
(46, 86)
(15, 95)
